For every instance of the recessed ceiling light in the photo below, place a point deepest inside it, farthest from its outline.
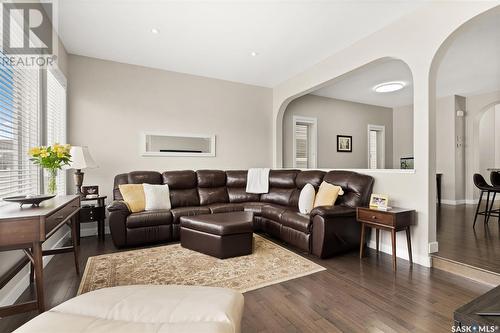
(389, 86)
(155, 31)
(254, 54)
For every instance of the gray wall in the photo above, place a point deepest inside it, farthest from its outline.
(402, 123)
(337, 117)
(111, 104)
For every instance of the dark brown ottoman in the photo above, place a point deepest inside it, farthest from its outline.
(222, 235)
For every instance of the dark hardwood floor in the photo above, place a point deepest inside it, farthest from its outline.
(479, 247)
(352, 295)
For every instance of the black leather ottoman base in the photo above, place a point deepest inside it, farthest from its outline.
(221, 247)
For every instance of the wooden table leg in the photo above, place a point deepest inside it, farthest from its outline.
(38, 258)
(377, 236)
(76, 245)
(32, 271)
(393, 237)
(408, 242)
(362, 241)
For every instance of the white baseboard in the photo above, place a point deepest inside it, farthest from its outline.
(401, 252)
(18, 284)
(465, 201)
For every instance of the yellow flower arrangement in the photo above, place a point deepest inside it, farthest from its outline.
(52, 158)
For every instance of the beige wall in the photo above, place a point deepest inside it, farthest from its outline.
(338, 117)
(111, 103)
(402, 124)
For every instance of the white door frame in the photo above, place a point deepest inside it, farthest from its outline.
(378, 128)
(313, 145)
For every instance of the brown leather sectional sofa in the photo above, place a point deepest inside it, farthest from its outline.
(327, 231)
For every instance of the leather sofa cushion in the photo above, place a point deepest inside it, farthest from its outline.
(236, 194)
(236, 178)
(220, 224)
(357, 187)
(225, 207)
(149, 218)
(187, 211)
(279, 196)
(210, 195)
(254, 207)
(273, 212)
(140, 177)
(282, 178)
(296, 221)
(119, 180)
(313, 177)
(184, 198)
(211, 178)
(180, 180)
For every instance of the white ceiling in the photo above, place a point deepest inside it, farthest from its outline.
(357, 86)
(215, 38)
(470, 66)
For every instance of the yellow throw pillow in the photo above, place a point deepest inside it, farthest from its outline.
(133, 195)
(327, 194)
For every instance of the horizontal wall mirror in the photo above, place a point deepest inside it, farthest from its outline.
(165, 144)
(362, 120)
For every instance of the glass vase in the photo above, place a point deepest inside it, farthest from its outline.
(52, 183)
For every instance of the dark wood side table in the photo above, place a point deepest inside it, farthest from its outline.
(394, 220)
(27, 228)
(95, 213)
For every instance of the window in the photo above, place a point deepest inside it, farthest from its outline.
(304, 142)
(56, 117)
(19, 129)
(373, 150)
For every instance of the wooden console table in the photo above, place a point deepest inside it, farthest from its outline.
(27, 228)
(394, 220)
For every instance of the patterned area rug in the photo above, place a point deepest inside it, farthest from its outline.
(172, 264)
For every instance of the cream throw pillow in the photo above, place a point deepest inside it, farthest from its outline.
(306, 199)
(327, 194)
(133, 195)
(157, 197)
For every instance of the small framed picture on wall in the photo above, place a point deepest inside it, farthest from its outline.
(344, 143)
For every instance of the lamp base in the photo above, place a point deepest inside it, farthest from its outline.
(78, 179)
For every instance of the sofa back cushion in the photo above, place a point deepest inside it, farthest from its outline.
(212, 187)
(281, 187)
(313, 177)
(183, 188)
(357, 187)
(236, 183)
(134, 177)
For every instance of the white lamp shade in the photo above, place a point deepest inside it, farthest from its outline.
(81, 158)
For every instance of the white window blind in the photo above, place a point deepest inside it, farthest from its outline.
(373, 149)
(301, 145)
(56, 117)
(19, 129)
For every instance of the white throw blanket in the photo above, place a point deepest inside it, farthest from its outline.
(258, 180)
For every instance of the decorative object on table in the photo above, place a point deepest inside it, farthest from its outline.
(51, 159)
(397, 219)
(33, 200)
(344, 143)
(81, 159)
(90, 191)
(379, 201)
(407, 162)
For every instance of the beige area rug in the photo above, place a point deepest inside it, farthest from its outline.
(173, 264)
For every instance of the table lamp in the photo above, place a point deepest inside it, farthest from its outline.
(80, 159)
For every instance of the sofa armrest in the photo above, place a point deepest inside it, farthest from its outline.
(118, 205)
(334, 230)
(333, 211)
(118, 213)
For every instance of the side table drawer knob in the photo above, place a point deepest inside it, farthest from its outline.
(374, 217)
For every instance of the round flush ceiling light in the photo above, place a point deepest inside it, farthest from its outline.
(155, 31)
(254, 54)
(389, 86)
